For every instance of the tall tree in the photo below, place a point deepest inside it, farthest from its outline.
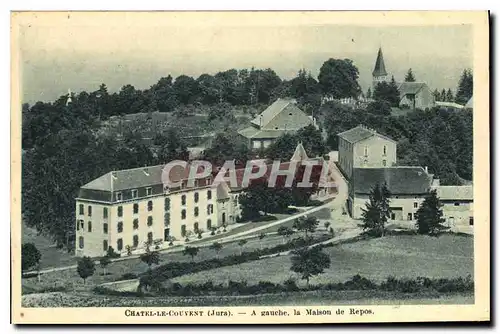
(387, 91)
(465, 87)
(430, 215)
(209, 91)
(30, 256)
(150, 257)
(437, 95)
(164, 98)
(369, 93)
(216, 246)
(306, 224)
(191, 251)
(185, 89)
(306, 90)
(377, 211)
(285, 232)
(85, 268)
(104, 262)
(409, 77)
(443, 95)
(227, 146)
(261, 84)
(309, 262)
(449, 96)
(338, 78)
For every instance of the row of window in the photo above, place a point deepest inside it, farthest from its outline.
(196, 197)
(81, 208)
(149, 193)
(135, 224)
(134, 193)
(119, 242)
(210, 210)
(196, 227)
(120, 209)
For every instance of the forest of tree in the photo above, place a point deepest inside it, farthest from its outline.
(63, 147)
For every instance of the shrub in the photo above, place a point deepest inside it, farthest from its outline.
(265, 218)
(111, 253)
(175, 269)
(314, 202)
(30, 256)
(290, 285)
(100, 290)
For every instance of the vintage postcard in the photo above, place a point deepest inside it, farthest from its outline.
(250, 167)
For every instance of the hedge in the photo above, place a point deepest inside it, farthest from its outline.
(356, 283)
(175, 269)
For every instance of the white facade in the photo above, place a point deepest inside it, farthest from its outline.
(375, 151)
(403, 207)
(155, 218)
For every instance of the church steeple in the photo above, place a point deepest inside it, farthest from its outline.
(379, 73)
(69, 99)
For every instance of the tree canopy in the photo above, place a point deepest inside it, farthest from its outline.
(387, 91)
(410, 77)
(309, 262)
(465, 87)
(338, 78)
(30, 256)
(85, 268)
(430, 215)
(377, 211)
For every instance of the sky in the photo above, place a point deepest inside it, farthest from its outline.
(80, 55)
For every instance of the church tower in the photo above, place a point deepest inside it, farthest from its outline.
(69, 99)
(379, 73)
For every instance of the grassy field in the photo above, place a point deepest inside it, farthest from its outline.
(51, 256)
(322, 298)
(189, 121)
(400, 256)
(70, 280)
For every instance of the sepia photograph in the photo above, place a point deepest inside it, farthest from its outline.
(249, 167)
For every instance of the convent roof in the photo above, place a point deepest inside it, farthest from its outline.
(359, 133)
(400, 180)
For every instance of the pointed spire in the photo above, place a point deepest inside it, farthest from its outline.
(68, 101)
(379, 69)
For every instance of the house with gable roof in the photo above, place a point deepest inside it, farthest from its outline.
(283, 116)
(368, 158)
(415, 95)
(364, 147)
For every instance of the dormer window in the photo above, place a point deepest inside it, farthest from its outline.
(118, 196)
(134, 193)
(149, 191)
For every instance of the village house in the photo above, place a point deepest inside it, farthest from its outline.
(360, 151)
(415, 95)
(408, 187)
(363, 147)
(458, 204)
(283, 116)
